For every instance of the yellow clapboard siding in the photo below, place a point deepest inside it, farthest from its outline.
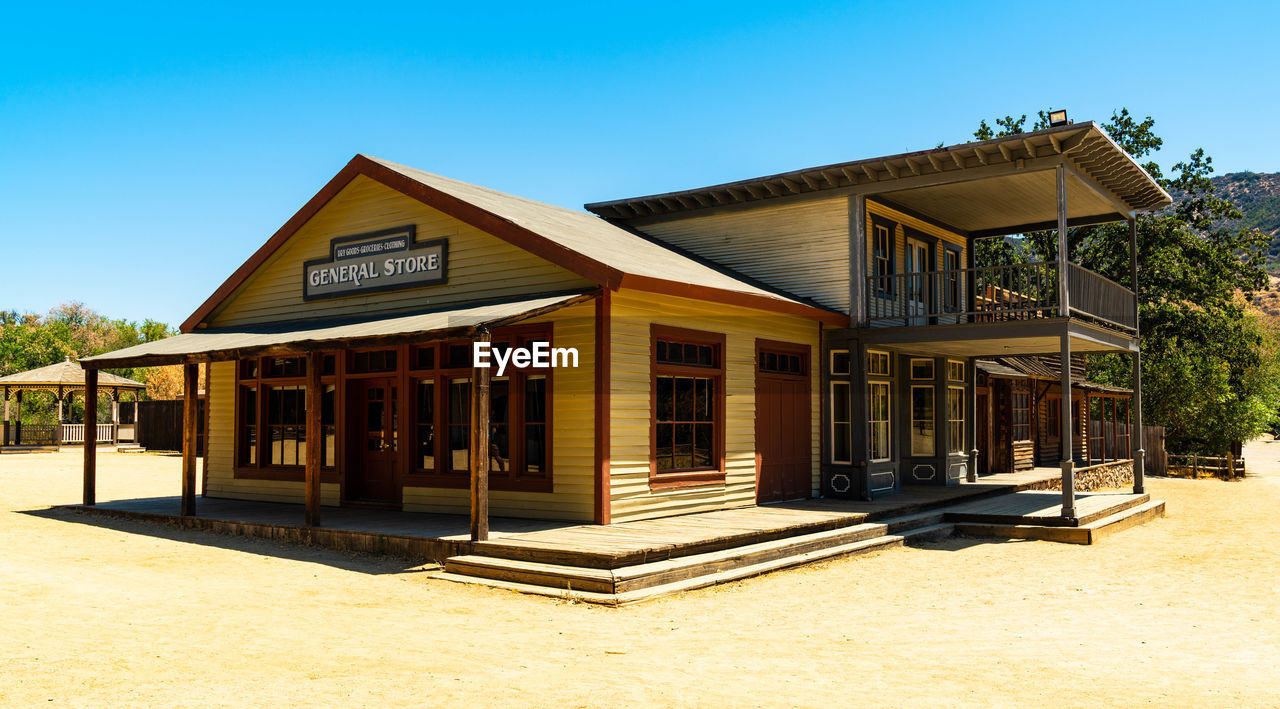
(481, 266)
(802, 248)
(900, 238)
(632, 314)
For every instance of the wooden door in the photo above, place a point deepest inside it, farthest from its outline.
(373, 417)
(784, 455)
(917, 253)
(1001, 427)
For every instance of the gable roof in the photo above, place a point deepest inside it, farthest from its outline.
(65, 374)
(582, 243)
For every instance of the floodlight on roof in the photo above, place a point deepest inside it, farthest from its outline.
(1058, 118)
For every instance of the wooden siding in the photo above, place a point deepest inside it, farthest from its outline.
(222, 481)
(632, 314)
(572, 438)
(900, 235)
(481, 266)
(801, 248)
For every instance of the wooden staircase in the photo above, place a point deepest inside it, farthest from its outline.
(582, 577)
(584, 574)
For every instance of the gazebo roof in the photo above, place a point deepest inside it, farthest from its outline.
(66, 374)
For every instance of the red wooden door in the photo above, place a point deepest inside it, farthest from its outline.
(783, 437)
(374, 432)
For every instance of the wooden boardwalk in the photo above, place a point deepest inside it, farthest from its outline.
(435, 537)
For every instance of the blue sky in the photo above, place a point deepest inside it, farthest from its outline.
(145, 155)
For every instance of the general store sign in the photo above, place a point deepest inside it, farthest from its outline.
(378, 261)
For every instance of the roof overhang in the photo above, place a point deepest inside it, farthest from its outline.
(982, 189)
(294, 338)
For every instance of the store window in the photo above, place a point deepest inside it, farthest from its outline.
(923, 437)
(271, 412)
(955, 419)
(878, 419)
(687, 417)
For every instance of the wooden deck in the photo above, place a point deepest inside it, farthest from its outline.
(436, 537)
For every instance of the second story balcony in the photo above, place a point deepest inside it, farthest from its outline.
(993, 294)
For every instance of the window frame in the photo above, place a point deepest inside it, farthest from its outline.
(262, 382)
(697, 476)
(912, 420)
(516, 478)
(885, 285)
(887, 386)
(955, 440)
(1019, 393)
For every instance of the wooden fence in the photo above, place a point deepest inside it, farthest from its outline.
(159, 425)
(1226, 467)
(1156, 461)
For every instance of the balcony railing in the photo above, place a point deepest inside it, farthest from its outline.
(1025, 291)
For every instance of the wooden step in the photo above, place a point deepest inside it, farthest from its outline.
(1090, 533)
(1121, 503)
(637, 595)
(677, 571)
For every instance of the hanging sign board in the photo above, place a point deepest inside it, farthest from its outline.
(378, 261)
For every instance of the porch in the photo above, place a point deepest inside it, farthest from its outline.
(635, 561)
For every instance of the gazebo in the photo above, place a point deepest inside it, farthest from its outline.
(64, 380)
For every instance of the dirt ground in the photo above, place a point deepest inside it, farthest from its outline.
(94, 612)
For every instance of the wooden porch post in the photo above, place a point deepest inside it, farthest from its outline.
(4, 435)
(971, 413)
(1135, 416)
(1068, 444)
(115, 414)
(858, 261)
(480, 448)
(190, 392)
(17, 426)
(90, 436)
(1064, 299)
(314, 436)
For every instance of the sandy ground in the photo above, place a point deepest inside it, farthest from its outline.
(1179, 612)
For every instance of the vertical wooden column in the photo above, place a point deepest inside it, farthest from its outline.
(208, 403)
(480, 447)
(1135, 408)
(603, 392)
(1068, 442)
(190, 394)
(858, 261)
(4, 434)
(17, 425)
(90, 436)
(970, 283)
(315, 434)
(1064, 298)
(971, 414)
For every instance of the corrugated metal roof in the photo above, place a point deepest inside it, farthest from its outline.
(1043, 368)
(234, 342)
(66, 374)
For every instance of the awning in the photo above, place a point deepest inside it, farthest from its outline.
(300, 337)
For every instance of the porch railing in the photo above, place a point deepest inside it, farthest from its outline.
(74, 433)
(1011, 292)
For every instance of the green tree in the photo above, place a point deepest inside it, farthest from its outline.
(1206, 358)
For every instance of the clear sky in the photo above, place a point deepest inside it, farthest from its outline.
(145, 154)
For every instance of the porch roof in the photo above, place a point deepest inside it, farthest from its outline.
(63, 375)
(298, 337)
(987, 188)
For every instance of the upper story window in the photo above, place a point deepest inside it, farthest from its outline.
(882, 259)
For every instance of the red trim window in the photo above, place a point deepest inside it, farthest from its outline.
(519, 415)
(271, 440)
(687, 413)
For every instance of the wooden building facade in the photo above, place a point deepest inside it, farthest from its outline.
(809, 333)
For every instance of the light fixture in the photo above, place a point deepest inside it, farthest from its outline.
(1058, 118)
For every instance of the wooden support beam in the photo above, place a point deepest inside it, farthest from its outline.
(981, 156)
(1004, 150)
(315, 434)
(871, 174)
(955, 158)
(480, 448)
(190, 394)
(604, 402)
(792, 185)
(811, 181)
(911, 165)
(776, 190)
(1031, 149)
(889, 168)
(208, 409)
(1135, 407)
(934, 161)
(90, 435)
(850, 175)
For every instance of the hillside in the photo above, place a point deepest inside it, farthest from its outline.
(1257, 194)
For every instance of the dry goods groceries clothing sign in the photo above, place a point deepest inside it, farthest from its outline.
(382, 260)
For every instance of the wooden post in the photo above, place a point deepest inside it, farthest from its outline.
(971, 284)
(4, 435)
(190, 394)
(1064, 299)
(1135, 416)
(971, 413)
(17, 425)
(858, 261)
(603, 393)
(1068, 443)
(480, 448)
(208, 402)
(90, 436)
(315, 435)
